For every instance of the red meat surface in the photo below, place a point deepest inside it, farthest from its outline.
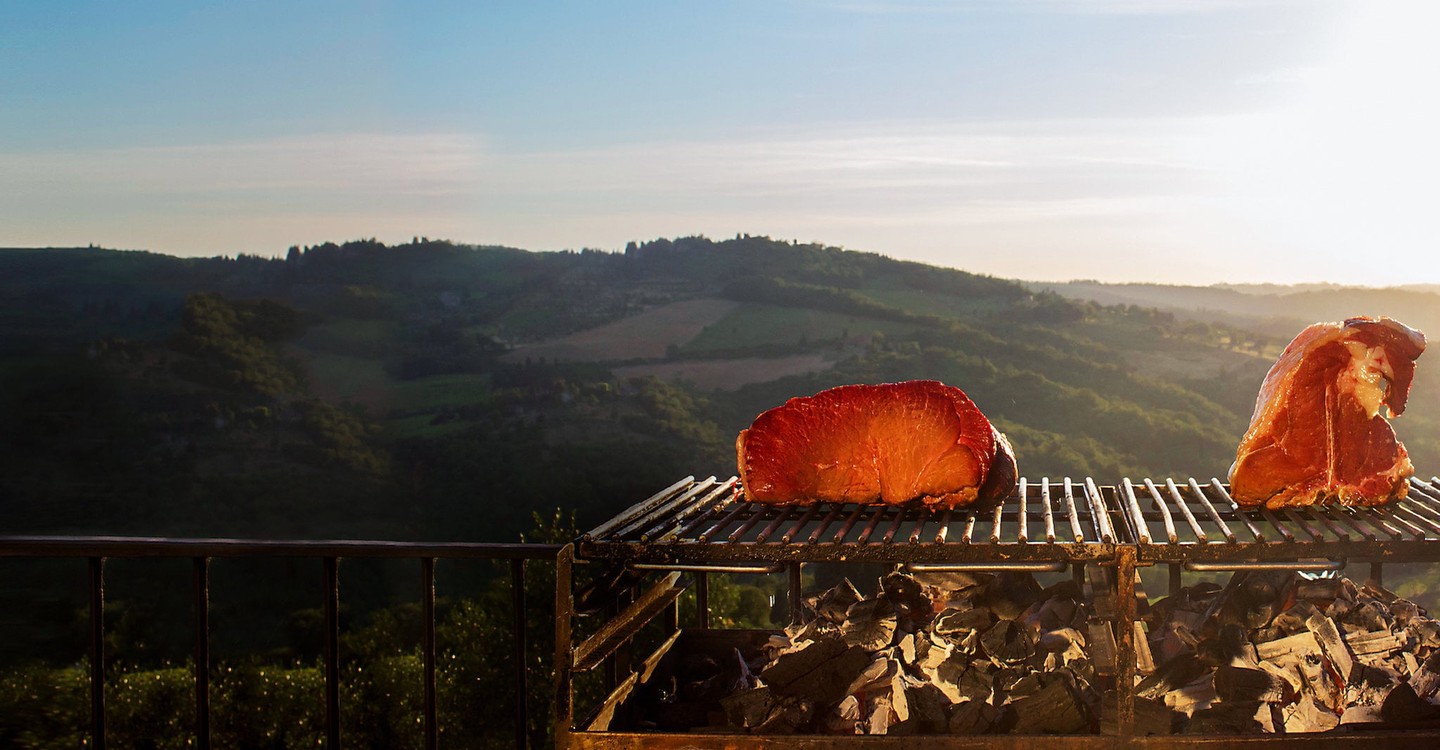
(920, 440)
(1318, 434)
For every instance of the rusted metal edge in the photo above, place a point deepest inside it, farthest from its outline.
(127, 546)
(593, 650)
(750, 552)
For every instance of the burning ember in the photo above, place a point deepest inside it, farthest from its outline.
(1275, 652)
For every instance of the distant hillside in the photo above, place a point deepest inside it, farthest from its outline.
(476, 385)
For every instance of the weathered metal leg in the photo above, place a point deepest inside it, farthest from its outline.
(522, 687)
(97, 652)
(332, 653)
(564, 658)
(427, 647)
(1124, 644)
(702, 601)
(202, 653)
(794, 570)
(1377, 574)
(1175, 581)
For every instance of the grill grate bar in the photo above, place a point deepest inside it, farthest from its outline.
(780, 515)
(1422, 509)
(1297, 520)
(705, 504)
(1049, 514)
(919, 525)
(966, 538)
(1071, 513)
(757, 512)
(1328, 518)
(1280, 527)
(824, 524)
(1378, 522)
(1235, 509)
(944, 526)
(1097, 506)
(1350, 518)
(745, 507)
(1170, 533)
(1023, 534)
(648, 518)
(1406, 509)
(849, 524)
(809, 516)
(1395, 517)
(1426, 495)
(641, 507)
(900, 515)
(870, 527)
(1142, 531)
(995, 523)
(1175, 495)
(1215, 514)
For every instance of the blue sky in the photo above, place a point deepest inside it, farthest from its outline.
(1163, 140)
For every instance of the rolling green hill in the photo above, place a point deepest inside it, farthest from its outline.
(475, 385)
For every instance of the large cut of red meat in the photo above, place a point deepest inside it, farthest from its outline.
(919, 440)
(1317, 434)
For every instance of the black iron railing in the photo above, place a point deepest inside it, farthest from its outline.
(96, 549)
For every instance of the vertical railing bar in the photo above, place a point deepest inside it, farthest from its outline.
(97, 652)
(332, 653)
(427, 606)
(702, 601)
(202, 652)
(793, 568)
(522, 692)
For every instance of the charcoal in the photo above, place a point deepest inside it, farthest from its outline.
(1402, 706)
(1172, 675)
(1243, 684)
(869, 624)
(1227, 718)
(748, 709)
(1404, 610)
(906, 595)
(1008, 595)
(1367, 616)
(1308, 715)
(927, 706)
(955, 624)
(1332, 645)
(972, 717)
(832, 604)
(878, 722)
(1055, 709)
(845, 717)
(788, 716)
(792, 666)
(1008, 642)
(1154, 717)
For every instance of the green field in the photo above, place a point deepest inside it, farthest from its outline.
(756, 324)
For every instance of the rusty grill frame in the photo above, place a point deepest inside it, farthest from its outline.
(706, 525)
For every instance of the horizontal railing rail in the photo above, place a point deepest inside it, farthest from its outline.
(96, 549)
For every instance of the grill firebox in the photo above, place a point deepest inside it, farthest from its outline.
(704, 526)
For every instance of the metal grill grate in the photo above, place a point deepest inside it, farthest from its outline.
(1196, 521)
(710, 520)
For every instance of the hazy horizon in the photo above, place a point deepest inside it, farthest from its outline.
(1173, 141)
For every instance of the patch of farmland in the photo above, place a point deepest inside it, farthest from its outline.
(642, 336)
(726, 374)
